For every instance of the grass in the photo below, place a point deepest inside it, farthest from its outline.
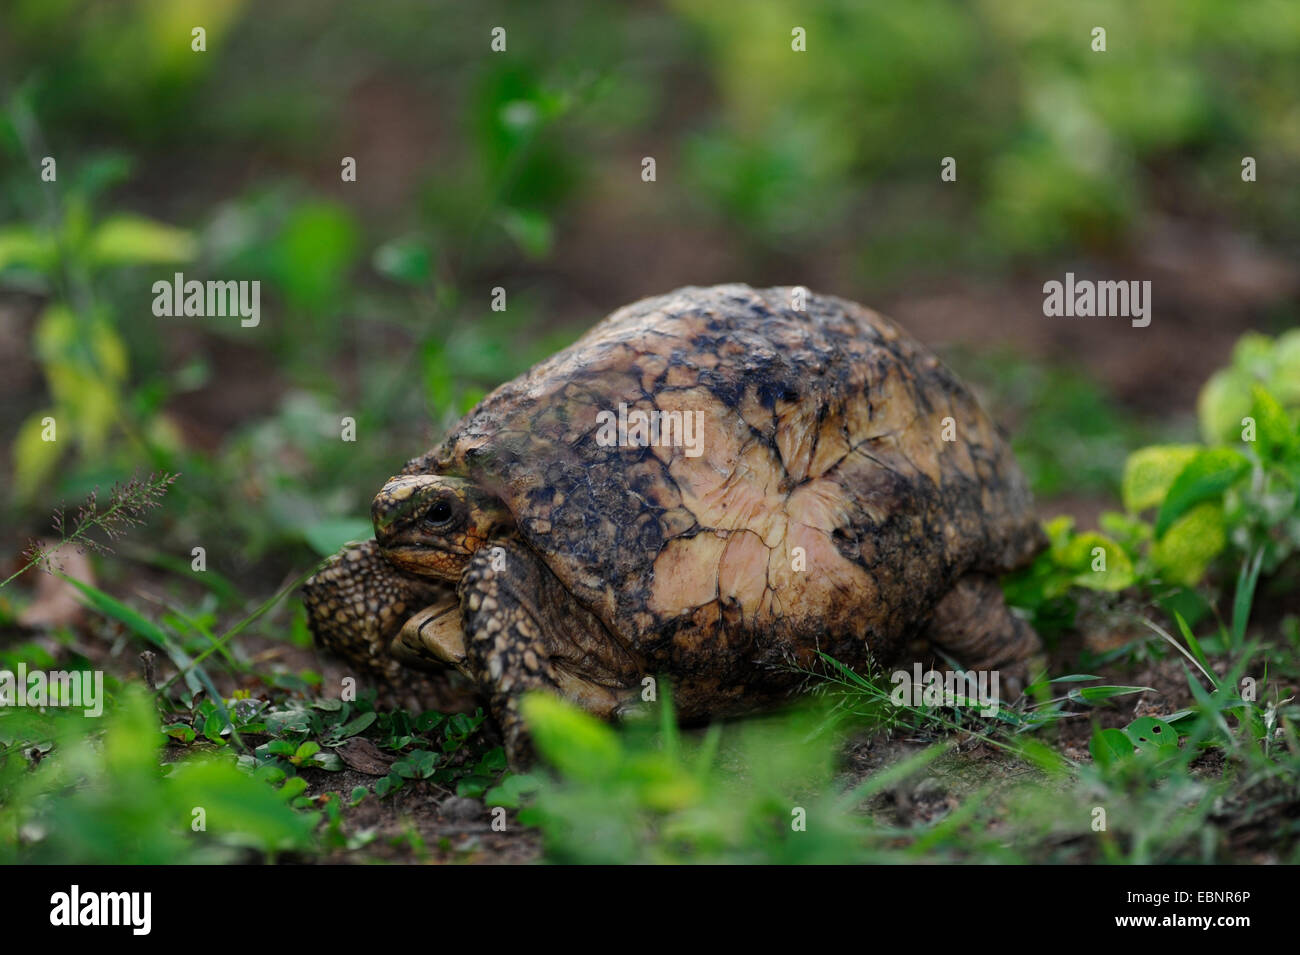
(1219, 787)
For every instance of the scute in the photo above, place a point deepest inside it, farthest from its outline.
(825, 497)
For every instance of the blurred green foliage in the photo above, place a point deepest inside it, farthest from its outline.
(1069, 435)
(1061, 142)
(1230, 396)
(97, 790)
(639, 797)
(1235, 497)
(774, 790)
(102, 796)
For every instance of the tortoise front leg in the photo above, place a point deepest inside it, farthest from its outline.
(358, 602)
(523, 632)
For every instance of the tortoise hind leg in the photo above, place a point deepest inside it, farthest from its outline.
(973, 624)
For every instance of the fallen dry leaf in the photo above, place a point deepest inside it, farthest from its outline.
(57, 602)
(364, 756)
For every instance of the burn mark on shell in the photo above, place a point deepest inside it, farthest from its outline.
(769, 392)
(846, 542)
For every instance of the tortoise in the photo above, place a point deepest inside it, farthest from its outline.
(712, 486)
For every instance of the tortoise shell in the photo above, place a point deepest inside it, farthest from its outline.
(817, 479)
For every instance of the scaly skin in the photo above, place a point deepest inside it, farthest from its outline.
(511, 604)
(358, 605)
(357, 602)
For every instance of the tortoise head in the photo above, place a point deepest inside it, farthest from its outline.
(430, 525)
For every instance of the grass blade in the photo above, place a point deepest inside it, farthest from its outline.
(1245, 595)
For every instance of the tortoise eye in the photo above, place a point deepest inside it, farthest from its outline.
(440, 513)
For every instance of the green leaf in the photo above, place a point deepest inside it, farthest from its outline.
(288, 721)
(1150, 472)
(1058, 530)
(407, 260)
(1204, 478)
(1193, 644)
(473, 787)
(241, 810)
(1191, 542)
(1110, 746)
(511, 790)
(493, 761)
(101, 172)
(35, 458)
(428, 720)
(133, 240)
(532, 232)
(20, 245)
(1153, 736)
(353, 727)
(440, 374)
(1274, 431)
(1244, 597)
(293, 786)
(1285, 381)
(115, 609)
(213, 726)
(330, 762)
(573, 741)
(1081, 556)
(1131, 532)
(306, 750)
(179, 731)
(418, 764)
(313, 254)
(1093, 694)
(1224, 400)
